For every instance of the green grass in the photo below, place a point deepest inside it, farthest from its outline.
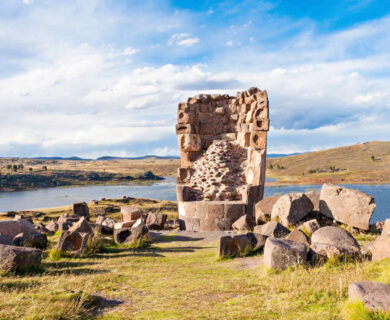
(355, 310)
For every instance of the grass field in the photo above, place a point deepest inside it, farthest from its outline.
(181, 277)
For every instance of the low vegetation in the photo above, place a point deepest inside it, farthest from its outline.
(179, 277)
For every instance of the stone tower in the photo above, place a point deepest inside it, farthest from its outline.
(223, 144)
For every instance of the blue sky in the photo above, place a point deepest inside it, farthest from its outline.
(103, 77)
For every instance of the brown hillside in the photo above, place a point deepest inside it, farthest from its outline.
(366, 163)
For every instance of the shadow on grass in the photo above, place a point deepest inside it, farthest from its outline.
(18, 285)
(75, 272)
(66, 264)
(179, 249)
(158, 237)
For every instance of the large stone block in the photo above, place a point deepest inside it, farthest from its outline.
(13, 258)
(348, 206)
(291, 208)
(240, 245)
(130, 213)
(374, 295)
(263, 209)
(280, 253)
(81, 209)
(189, 142)
(258, 140)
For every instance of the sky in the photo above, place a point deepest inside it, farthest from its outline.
(91, 78)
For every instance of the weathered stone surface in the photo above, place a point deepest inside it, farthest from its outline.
(129, 213)
(108, 225)
(272, 229)
(315, 199)
(210, 215)
(333, 241)
(374, 295)
(81, 226)
(121, 235)
(380, 248)
(156, 221)
(6, 239)
(13, 258)
(52, 226)
(291, 208)
(281, 253)
(139, 231)
(99, 220)
(240, 245)
(310, 226)
(386, 227)
(33, 240)
(121, 225)
(14, 227)
(81, 209)
(244, 224)
(73, 242)
(263, 209)
(348, 206)
(299, 236)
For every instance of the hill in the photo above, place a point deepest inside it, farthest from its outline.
(360, 163)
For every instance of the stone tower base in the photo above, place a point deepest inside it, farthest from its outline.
(210, 215)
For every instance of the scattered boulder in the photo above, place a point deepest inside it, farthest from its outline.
(108, 225)
(310, 226)
(52, 226)
(314, 197)
(33, 240)
(129, 213)
(14, 227)
(291, 208)
(13, 258)
(121, 225)
(281, 253)
(139, 231)
(386, 227)
(263, 209)
(380, 248)
(156, 221)
(272, 229)
(6, 239)
(81, 209)
(244, 224)
(121, 235)
(99, 220)
(348, 206)
(240, 245)
(374, 295)
(333, 241)
(66, 220)
(41, 228)
(173, 224)
(73, 242)
(299, 236)
(81, 226)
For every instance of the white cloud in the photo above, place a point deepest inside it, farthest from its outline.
(129, 51)
(183, 39)
(28, 1)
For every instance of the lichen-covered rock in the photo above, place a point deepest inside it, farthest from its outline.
(299, 236)
(156, 221)
(240, 245)
(81, 209)
(349, 206)
(130, 213)
(310, 226)
(281, 253)
(291, 208)
(244, 224)
(374, 295)
(81, 226)
(380, 248)
(333, 241)
(13, 258)
(272, 229)
(263, 209)
(73, 242)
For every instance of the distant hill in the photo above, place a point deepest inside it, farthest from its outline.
(61, 158)
(137, 158)
(369, 161)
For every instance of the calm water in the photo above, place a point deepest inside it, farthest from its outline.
(164, 190)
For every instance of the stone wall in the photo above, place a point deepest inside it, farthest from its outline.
(222, 142)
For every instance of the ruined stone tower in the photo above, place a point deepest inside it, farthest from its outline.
(222, 142)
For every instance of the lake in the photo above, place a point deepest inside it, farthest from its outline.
(163, 190)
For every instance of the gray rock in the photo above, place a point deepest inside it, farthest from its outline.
(73, 242)
(244, 224)
(14, 227)
(380, 248)
(108, 225)
(240, 245)
(122, 235)
(299, 236)
(52, 226)
(315, 199)
(348, 206)
(272, 229)
(156, 221)
(81, 209)
(33, 240)
(6, 239)
(99, 220)
(15, 258)
(263, 209)
(374, 295)
(333, 241)
(281, 253)
(130, 213)
(291, 208)
(81, 226)
(310, 226)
